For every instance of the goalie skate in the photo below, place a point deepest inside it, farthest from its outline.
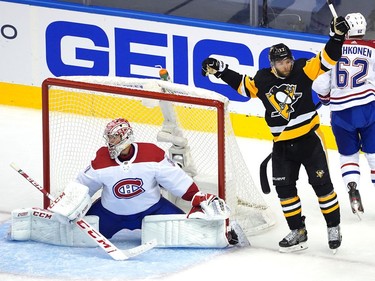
(238, 236)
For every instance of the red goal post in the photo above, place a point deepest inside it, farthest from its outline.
(76, 109)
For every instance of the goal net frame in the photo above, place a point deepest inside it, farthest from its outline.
(80, 83)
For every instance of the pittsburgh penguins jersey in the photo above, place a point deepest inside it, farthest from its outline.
(133, 186)
(289, 108)
(352, 82)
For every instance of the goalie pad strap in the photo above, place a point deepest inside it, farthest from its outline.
(179, 231)
(44, 226)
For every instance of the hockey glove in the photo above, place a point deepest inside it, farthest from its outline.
(339, 27)
(73, 203)
(209, 207)
(213, 66)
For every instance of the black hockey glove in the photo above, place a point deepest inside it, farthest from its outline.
(213, 66)
(339, 27)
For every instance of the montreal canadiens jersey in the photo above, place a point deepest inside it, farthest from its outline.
(133, 186)
(352, 82)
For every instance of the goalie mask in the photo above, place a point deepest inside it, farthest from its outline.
(357, 23)
(118, 135)
(279, 52)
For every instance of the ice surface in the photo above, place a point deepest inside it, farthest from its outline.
(355, 259)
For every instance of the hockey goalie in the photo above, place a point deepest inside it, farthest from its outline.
(130, 176)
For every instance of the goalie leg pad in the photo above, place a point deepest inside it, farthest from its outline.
(179, 231)
(43, 226)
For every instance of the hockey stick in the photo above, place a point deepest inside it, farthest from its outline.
(263, 175)
(91, 232)
(332, 8)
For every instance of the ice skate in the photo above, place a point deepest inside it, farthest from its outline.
(236, 236)
(334, 238)
(295, 240)
(355, 199)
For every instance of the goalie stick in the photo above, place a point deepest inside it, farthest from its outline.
(263, 175)
(91, 232)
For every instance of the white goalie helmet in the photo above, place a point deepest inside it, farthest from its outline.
(118, 135)
(357, 23)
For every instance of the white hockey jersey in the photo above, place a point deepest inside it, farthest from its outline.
(133, 186)
(352, 82)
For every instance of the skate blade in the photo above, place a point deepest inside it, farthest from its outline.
(242, 239)
(356, 211)
(334, 251)
(358, 215)
(301, 246)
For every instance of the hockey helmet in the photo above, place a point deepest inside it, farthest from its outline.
(357, 23)
(118, 135)
(279, 52)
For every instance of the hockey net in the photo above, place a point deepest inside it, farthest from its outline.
(191, 124)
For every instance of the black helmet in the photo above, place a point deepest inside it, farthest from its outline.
(279, 52)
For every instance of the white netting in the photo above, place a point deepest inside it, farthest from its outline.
(77, 118)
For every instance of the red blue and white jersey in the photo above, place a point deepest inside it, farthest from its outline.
(352, 82)
(133, 186)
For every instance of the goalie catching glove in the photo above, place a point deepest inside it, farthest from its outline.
(208, 207)
(213, 66)
(73, 203)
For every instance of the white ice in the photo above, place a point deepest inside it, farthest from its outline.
(355, 259)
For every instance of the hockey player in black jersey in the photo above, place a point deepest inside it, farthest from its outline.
(285, 91)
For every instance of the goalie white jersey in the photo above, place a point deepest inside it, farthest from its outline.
(133, 186)
(352, 82)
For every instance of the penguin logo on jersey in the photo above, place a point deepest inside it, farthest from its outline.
(128, 188)
(282, 99)
(319, 173)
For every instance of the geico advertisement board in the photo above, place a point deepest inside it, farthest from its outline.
(38, 42)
